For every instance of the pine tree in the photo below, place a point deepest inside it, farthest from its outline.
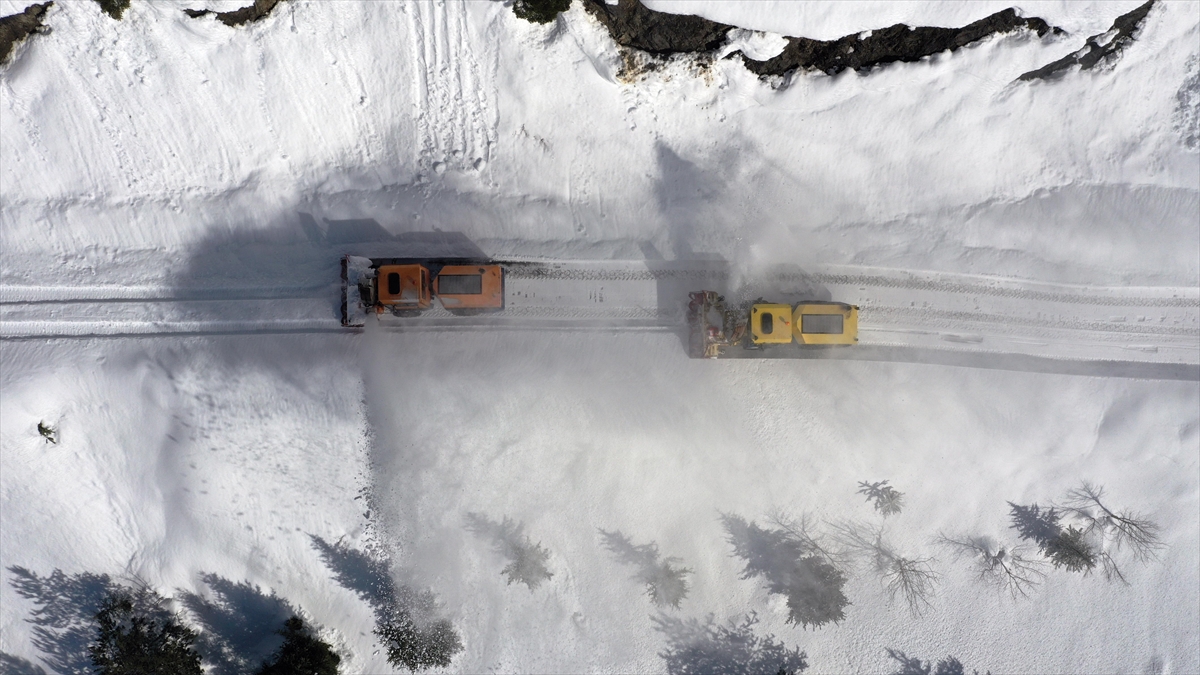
(814, 593)
(1065, 548)
(48, 432)
(1034, 524)
(419, 647)
(1070, 550)
(301, 653)
(888, 500)
(791, 567)
(139, 636)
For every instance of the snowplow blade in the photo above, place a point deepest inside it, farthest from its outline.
(355, 272)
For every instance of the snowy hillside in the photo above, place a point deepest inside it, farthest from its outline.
(176, 194)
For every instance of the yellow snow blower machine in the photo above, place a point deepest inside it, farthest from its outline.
(716, 325)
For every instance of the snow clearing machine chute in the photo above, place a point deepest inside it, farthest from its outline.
(716, 325)
(407, 287)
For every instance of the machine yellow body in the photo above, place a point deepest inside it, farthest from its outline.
(717, 326)
(771, 324)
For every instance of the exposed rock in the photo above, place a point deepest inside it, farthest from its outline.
(635, 26)
(17, 27)
(900, 42)
(114, 8)
(237, 17)
(1103, 48)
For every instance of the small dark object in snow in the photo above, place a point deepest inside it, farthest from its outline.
(540, 11)
(48, 432)
(237, 17)
(17, 27)
(888, 500)
(1095, 51)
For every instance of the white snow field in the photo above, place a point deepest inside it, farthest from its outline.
(1026, 256)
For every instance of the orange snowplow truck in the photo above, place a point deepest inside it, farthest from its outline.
(409, 287)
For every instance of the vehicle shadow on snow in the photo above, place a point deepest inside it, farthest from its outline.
(64, 619)
(240, 624)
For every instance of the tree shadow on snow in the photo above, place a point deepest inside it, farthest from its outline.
(356, 571)
(526, 559)
(64, 619)
(239, 623)
(370, 579)
(706, 647)
(15, 665)
(665, 581)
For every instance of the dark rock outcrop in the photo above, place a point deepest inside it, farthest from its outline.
(1105, 47)
(635, 26)
(237, 17)
(17, 27)
(889, 45)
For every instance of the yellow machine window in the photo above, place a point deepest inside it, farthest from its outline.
(822, 324)
(826, 323)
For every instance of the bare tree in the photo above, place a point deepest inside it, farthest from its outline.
(1124, 529)
(804, 530)
(913, 579)
(1007, 568)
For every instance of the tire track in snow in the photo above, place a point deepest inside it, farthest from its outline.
(919, 310)
(351, 80)
(455, 124)
(1085, 296)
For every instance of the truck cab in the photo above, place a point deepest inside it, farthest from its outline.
(403, 287)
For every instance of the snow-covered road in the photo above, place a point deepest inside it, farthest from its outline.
(908, 309)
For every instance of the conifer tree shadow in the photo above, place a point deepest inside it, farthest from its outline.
(666, 582)
(356, 571)
(240, 623)
(526, 559)
(406, 620)
(707, 647)
(64, 622)
(15, 665)
(795, 563)
(911, 665)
